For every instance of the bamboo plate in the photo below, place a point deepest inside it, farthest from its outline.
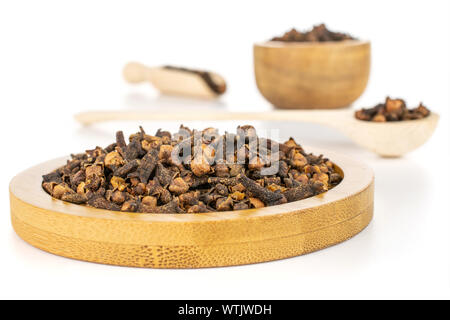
(192, 240)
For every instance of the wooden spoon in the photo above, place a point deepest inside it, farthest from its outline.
(177, 81)
(388, 139)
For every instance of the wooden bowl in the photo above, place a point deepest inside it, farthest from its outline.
(191, 240)
(312, 75)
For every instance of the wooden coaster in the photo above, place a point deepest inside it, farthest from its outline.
(191, 240)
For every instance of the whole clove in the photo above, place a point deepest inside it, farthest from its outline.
(318, 33)
(264, 194)
(197, 172)
(392, 110)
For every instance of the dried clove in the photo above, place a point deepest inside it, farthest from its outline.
(392, 110)
(318, 33)
(259, 192)
(179, 173)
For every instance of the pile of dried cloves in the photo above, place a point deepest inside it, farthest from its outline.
(319, 33)
(191, 172)
(392, 110)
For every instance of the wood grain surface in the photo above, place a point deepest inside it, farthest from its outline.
(191, 240)
(312, 75)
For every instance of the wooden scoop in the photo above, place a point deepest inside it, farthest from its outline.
(388, 139)
(177, 81)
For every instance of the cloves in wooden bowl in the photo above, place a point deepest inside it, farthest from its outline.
(315, 70)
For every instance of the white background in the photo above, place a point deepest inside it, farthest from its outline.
(59, 57)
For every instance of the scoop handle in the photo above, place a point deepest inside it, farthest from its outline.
(135, 72)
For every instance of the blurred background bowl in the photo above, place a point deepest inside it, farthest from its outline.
(312, 75)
